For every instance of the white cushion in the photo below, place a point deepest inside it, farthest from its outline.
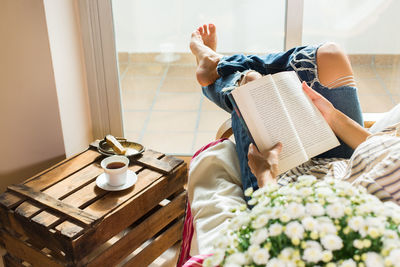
(387, 119)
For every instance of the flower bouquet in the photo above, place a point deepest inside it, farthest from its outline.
(311, 223)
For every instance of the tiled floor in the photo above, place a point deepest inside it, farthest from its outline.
(164, 108)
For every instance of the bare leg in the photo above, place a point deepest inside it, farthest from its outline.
(334, 67)
(202, 45)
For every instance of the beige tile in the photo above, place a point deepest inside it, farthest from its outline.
(393, 86)
(388, 73)
(178, 84)
(143, 57)
(153, 69)
(169, 142)
(387, 60)
(186, 58)
(177, 101)
(134, 120)
(203, 138)
(208, 105)
(140, 83)
(172, 121)
(212, 120)
(396, 99)
(182, 71)
(360, 59)
(363, 71)
(122, 68)
(133, 136)
(375, 102)
(123, 57)
(370, 86)
(137, 100)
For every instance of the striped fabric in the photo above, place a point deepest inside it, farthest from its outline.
(375, 164)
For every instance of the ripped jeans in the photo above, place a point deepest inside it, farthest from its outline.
(302, 60)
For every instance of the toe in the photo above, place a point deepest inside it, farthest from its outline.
(205, 29)
(200, 29)
(211, 28)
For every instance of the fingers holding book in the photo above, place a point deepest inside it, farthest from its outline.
(324, 106)
(264, 165)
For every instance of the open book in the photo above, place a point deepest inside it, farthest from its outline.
(275, 109)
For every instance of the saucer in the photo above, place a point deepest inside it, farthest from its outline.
(131, 179)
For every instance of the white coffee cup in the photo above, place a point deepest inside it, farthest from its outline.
(115, 169)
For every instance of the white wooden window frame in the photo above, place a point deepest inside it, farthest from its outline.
(97, 26)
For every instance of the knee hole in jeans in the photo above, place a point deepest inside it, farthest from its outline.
(249, 76)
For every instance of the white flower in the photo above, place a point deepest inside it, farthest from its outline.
(313, 244)
(332, 242)
(306, 179)
(284, 217)
(215, 259)
(348, 263)
(327, 228)
(312, 254)
(327, 256)
(335, 210)
(275, 229)
(286, 253)
(236, 258)
(373, 260)
(274, 262)
(309, 223)
(324, 192)
(294, 230)
(305, 191)
(248, 191)
(391, 234)
(261, 256)
(252, 249)
(295, 210)
(394, 257)
(359, 244)
(356, 223)
(260, 221)
(259, 236)
(315, 209)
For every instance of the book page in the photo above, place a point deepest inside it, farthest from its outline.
(268, 121)
(314, 132)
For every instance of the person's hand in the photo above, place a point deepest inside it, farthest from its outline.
(323, 105)
(264, 166)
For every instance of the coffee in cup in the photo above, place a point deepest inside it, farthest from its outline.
(115, 169)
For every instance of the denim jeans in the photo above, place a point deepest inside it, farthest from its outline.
(302, 60)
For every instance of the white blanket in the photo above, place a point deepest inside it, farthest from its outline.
(214, 189)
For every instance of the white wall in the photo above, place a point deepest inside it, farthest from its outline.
(31, 136)
(360, 26)
(43, 103)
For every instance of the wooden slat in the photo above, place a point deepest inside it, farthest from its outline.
(25, 252)
(144, 231)
(90, 192)
(112, 200)
(69, 229)
(10, 200)
(158, 246)
(59, 172)
(164, 166)
(28, 209)
(44, 199)
(130, 212)
(74, 181)
(11, 261)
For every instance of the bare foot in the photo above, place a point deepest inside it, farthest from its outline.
(207, 59)
(209, 35)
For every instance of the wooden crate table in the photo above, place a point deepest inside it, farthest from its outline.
(61, 218)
